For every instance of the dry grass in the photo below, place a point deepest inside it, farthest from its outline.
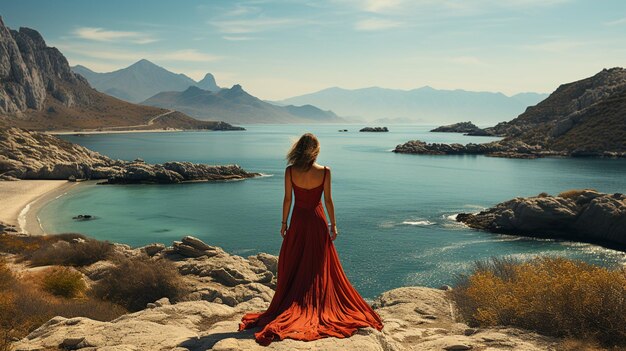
(63, 281)
(552, 296)
(69, 249)
(24, 307)
(135, 282)
(572, 194)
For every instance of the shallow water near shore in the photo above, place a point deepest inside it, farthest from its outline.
(395, 212)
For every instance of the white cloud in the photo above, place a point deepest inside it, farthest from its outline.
(255, 25)
(374, 24)
(101, 34)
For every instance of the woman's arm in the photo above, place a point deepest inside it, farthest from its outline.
(330, 206)
(286, 202)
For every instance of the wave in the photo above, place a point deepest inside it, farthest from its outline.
(263, 175)
(21, 218)
(422, 222)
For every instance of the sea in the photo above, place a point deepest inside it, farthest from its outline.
(395, 212)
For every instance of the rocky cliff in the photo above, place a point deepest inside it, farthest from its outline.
(32, 155)
(586, 116)
(39, 91)
(223, 287)
(579, 215)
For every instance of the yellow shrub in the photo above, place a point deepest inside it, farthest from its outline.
(553, 296)
(63, 281)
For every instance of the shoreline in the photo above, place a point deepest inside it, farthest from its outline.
(24, 199)
(124, 131)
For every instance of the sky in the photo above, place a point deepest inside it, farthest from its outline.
(278, 49)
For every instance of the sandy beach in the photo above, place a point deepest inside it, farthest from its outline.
(20, 201)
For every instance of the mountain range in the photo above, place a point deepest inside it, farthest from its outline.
(422, 105)
(235, 105)
(142, 80)
(39, 91)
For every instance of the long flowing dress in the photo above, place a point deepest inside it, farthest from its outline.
(313, 298)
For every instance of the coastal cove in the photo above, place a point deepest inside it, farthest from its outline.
(395, 212)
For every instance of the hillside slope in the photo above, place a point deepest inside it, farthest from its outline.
(39, 91)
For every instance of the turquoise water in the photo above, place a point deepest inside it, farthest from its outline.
(392, 210)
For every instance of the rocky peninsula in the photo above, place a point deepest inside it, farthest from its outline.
(578, 215)
(222, 287)
(32, 155)
(580, 119)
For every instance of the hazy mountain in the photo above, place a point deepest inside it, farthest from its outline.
(419, 105)
(235, 105)
(39, 91)
(142, 80)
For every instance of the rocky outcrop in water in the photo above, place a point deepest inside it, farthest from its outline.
(467, 128)
(374, 129)
(415, 318)
(33, 155)
(579, 215)
(512, 149)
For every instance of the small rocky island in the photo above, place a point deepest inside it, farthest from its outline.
(467, 128)
(578, 215)
(32, 155)
(374, 129)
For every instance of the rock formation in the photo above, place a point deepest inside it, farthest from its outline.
(467, 128)
(583, 118)
(33, 155)
(512, 149)
(580, 215)
(374, 129)
(224, 287)
(39, 91)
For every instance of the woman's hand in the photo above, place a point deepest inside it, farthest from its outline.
(333, 232)
(283, 230)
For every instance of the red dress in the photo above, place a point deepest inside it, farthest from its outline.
(313, 298)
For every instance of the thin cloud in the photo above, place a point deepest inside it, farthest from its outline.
(255, 25)
(186, 55)
(375, 24)
(236, 38)
(616, 22)
(554, 46)
(101, 34)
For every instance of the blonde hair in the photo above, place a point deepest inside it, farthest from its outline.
(303, 152)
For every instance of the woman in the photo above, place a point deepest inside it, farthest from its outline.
(313, 298)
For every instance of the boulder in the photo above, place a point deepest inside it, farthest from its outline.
(579, 215)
